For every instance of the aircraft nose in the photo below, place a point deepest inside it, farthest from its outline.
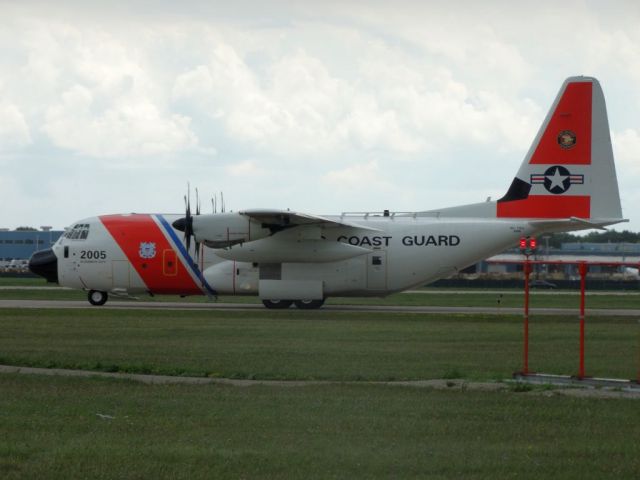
(45, 264)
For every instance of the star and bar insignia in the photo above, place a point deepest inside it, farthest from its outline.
(557, 179)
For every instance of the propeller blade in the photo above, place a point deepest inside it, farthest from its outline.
(188, 220)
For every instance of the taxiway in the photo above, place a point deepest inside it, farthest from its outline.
(212, 306)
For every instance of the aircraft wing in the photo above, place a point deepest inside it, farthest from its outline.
(284, 218)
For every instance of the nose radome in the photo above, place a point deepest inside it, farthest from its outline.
(45, 264)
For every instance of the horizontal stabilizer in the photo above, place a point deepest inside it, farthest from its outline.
(573, 223)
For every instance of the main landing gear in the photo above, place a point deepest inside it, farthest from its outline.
(302, 304)
(97, 297)
(309, 304)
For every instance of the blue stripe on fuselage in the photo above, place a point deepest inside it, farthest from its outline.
(185, 255)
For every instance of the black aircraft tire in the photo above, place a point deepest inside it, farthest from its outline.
(309, 304)
(97, 297)
(277, 304)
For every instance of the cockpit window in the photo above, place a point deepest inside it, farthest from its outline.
(79, 231)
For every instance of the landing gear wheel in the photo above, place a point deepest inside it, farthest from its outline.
(309, 304)
(279, 304)
(97, 297)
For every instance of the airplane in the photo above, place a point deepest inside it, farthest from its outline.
(566, 182)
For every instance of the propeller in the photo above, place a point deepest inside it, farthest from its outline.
(185, 224)
(215, 203)
(197, 244)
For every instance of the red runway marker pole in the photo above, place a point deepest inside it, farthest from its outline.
(582, 268)
(527, 271)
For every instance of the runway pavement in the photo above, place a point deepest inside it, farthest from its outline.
(142, 305)
(431, 291)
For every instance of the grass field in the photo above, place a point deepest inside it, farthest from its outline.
(312, 345)
(54, 427)
(51, 429)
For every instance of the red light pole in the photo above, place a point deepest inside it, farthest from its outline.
(527, 271)
(582, 268)
(526, 268)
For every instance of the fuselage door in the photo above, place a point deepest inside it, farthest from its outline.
(121, 278)
(377, 270)
(169, 263)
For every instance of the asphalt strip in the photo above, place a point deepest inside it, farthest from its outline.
(182, 306)
(583, 391)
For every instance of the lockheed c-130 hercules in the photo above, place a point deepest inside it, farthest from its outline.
(567, 181)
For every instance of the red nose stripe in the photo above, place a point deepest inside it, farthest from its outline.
(163, 273)
(572, 114)
(546, 206)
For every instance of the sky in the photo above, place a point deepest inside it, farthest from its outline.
(320, 107)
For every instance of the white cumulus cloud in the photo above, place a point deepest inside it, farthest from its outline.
(126, 127)
(14, 131)
(357, 177)
(247, 168)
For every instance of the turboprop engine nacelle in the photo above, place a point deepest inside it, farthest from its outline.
(277, 249)
(221, 230)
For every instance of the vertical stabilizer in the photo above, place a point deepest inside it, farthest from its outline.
(569, 170)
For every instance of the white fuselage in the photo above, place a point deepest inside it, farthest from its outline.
(567, 181)
(130, 254)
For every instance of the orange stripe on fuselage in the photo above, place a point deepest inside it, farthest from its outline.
(546, 206)
(129, 232)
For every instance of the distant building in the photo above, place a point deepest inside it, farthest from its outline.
(510, 260)
(20, 245)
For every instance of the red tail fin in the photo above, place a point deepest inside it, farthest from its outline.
(569, 169)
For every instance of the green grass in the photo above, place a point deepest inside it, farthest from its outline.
(50, 428)
(312, 345)
(437, 298)
(24, 282)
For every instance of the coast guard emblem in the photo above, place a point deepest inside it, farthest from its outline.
(567, 139)
(147, 250)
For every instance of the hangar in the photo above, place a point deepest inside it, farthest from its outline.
(17, 246)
